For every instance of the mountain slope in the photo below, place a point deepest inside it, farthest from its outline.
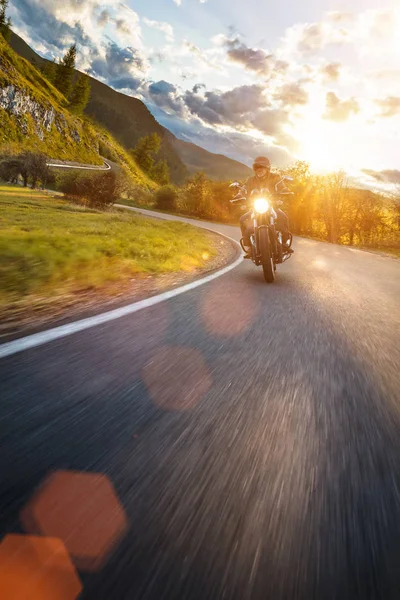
(125, 117)
(35, 116)
(217, 166)
(128, 119)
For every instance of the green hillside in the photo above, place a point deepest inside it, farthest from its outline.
(128, 119)
(34, 116)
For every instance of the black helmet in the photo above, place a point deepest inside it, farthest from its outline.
(262, 161)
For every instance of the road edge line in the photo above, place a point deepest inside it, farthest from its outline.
(44, 337)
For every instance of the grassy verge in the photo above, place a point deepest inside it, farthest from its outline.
(381, 250)
(50, 248)
(151, 205)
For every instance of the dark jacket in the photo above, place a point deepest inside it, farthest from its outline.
(269, 182)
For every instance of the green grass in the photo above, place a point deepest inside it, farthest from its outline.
(16, 70)
(50, 248)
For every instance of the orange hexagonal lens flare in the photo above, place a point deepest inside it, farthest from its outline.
(37, 568)
(83, 510)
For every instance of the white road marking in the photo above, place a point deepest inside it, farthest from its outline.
(56, 333)
(107, 167)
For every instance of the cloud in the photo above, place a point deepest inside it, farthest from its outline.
(331, 71)
(291, 94)
(386, 176)
(270, 121)
(340, 17)
(122, 68)
(104, 18)
(234, 144)
(390, 106)
(308, 39)
(166, 96)
(126, 22)
(45, 27)
(361, 30)
(340, 110)
(235, 107)
(165, 28)
(311, 37)
(254, 60)
(59, 23)
(242, 109)
(201, 56)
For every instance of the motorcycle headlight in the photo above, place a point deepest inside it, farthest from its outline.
(261, 205)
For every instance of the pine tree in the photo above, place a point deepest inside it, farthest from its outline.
(5, 22)
(160, 172)
(81, 94)
(65, 72)
(49, 70)
(145, 150)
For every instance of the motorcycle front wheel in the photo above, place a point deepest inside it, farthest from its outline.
(266, 255)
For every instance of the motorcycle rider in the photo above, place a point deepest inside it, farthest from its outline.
(263, 178)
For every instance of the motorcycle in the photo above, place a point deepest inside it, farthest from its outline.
(267, 247)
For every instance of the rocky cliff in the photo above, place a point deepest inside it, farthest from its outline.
(32, 115)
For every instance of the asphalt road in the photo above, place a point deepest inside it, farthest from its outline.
(251, 432)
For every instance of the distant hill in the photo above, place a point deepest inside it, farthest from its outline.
(128, 119)
(217, 166)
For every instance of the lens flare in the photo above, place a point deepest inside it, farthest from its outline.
(38, 568)
(82, 510)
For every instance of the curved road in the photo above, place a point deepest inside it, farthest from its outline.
(251, 432)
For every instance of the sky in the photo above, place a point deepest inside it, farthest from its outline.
(317, 80)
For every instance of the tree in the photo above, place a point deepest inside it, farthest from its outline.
(198, 196)
(49, 70)
(301, 206)
(98, 190)
(10, 169)
(31, 166)
(145, 150)
(5, 22)
(333, 197)
(35, 166)
(166, 197)
(81, 94)
(65, 72)
(160, 172)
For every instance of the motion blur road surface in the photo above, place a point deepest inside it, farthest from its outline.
(251, 433)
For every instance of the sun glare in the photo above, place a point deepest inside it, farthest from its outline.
(323, 145)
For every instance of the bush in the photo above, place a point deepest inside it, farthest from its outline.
(97, 190)
(10, 169)
(31, 166)
(166, 197)
(139, 194)
(106, 151)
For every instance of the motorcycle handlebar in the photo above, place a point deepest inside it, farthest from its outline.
(248, 198)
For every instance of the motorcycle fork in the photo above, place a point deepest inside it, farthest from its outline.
(256, 244)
